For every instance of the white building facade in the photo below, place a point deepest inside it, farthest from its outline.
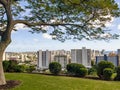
(44, 58)
(81, 56)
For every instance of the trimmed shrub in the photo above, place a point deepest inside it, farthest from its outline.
(72, 68)
(107, 73)
(76, 69)
(101, 66)
(92, 71)
(118, 73)
(55, 68)
(81, 72)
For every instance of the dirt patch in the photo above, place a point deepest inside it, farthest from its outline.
(10, 84)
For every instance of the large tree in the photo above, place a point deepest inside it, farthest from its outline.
(63, 19)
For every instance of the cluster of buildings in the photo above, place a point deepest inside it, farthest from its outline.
(82, 56)
(21, 56)
(45, 57)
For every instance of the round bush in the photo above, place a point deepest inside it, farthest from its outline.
(55, 68)
(73, 67)
(82, 72)
(92, 71)
(101, 66)
(107, 73)
(118, 73)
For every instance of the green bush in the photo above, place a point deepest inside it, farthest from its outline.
(81, 72)
(101, 66)
(118, 73)
(19, 68)
(72, 68)
(92, 71)
(107, 73)
(55, 68)
(76, 69)
(30, 69)
(6, 65)
(12, 66)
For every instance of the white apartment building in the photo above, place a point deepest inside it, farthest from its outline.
(60, 56)
(81, 56)
(44, 58)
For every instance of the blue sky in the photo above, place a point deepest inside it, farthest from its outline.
(23, 41)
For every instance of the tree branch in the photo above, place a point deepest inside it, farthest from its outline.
(3, 2)
(40, 23)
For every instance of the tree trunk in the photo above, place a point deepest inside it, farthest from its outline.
(3, 46)
(2, 76)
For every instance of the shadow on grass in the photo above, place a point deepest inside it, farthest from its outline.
(10, 84)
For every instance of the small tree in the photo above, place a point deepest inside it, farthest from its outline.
(55, 68)
(101, 66)
(107, 73)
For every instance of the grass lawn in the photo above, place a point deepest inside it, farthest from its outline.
(45, 82)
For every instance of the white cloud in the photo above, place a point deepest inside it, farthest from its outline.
(119, 26)
(109, 24)
(19, 26)
(47, 36)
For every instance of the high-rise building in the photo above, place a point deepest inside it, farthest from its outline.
(81, 56)
(44, 58)
(62, 59)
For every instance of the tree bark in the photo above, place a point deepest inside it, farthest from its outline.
(2, 76)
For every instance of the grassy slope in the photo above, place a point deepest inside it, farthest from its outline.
(44, 82)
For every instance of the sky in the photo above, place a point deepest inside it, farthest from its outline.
(23, 41)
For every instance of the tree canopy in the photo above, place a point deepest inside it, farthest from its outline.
(64, 19)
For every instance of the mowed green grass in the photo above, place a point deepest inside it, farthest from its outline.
(45, 82)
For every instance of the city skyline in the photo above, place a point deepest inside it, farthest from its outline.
(22, 40)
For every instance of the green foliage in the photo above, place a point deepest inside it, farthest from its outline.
(118, 73)
(107, 73)
(76, 69)
(55, 68)
(65, 14)
(12, 66)
(30, 68)
(101, 66)
(92, 71)
(81, 72)
(6, 65)
(92, 63)
(19, 68)
(9, 66)
(73, 67)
